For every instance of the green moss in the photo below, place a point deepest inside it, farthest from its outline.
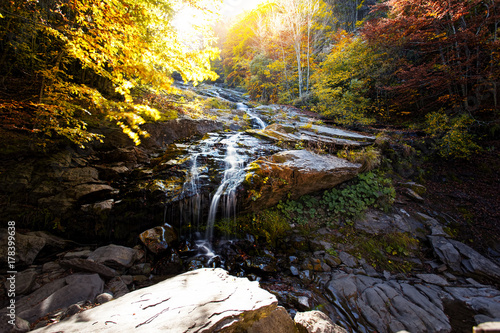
(268, 226)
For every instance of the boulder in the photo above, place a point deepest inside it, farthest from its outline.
(208, 300)
(25, 281)
(376, 222)
(27, 247)
(298, 172)
(159, 239)
(115, 256)
(463, 259)
(316, 322)
(389, 306)
(87, 265)
(59, 294)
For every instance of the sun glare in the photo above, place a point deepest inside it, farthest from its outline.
(188, 20)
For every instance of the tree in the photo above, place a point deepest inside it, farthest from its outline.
(449, 49)
(80, 51)
(345, 83)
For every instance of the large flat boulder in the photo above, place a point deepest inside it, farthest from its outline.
(207, 300)
(297, 172)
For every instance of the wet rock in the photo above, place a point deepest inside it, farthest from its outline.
(209, 299)
(115, 256)
(298, 172)
(264, 264)
(87, 265)
(59, 294)
(159, 239)
(316, 322)
(27, 247)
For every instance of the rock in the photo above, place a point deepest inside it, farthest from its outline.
(348, 259)
(103, 298)
(483, 300)
(144, 268)
(298, 172)
(376, 222)
(72, 310)
(27, 247)
(316, 322)
(25, 281)
(87, 265)
(278, 321)
(446, 252)
(319, 135)
(78, 254)
(417, 188)
(462, 258)
(389, 306)
(208, 299)
(115, 256)
(99, 206)
(489, 327)
(16, 325)
(59, 294)
(54, 242)
(159, 239)
(413, 195)
(118, 285)
(433, 279)
(476, 263)
(65, 200)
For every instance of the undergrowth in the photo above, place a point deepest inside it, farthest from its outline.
(341, 204)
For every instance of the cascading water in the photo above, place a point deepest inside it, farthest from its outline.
(203, 162)
(232, 178)
(260, 124)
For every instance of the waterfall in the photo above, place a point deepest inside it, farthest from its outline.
(259, 122)
(232, 178)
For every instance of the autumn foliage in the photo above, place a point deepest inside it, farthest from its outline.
(72, 59)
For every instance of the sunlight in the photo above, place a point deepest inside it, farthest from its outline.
(188, 20)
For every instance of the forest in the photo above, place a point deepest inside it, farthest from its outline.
(426, 65)
(431, 65)
(337, 161)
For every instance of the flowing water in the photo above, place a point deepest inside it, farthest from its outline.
(217, 164)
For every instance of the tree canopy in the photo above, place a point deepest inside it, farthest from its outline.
(84, 57)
